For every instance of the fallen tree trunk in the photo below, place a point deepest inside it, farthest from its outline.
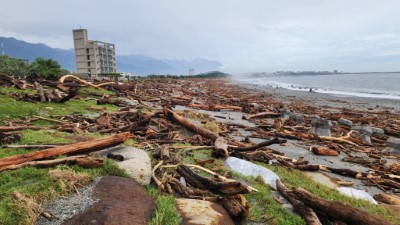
(233, 207)
(387, 199)
(308, 214)
(337, 210)
(215, 185)
(79, 147)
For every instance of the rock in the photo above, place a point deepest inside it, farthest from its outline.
(285, 113)
(357, 194)
(365, 132)
(321, 127)
(376, 130)
(297, 118)
(314, 118)
(121, 201)
(199, 212)
(345, 122)
(250, 169)
(130, 102)
(137, 162)
(393, 143)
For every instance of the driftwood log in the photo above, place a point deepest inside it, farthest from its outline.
(79, 147)
(215, 185)
(324, 151)
(338, 211)
(308, 214)
(221, 145)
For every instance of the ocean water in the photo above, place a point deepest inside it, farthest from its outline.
(371, 85)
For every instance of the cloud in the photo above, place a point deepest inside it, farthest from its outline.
(245, 36)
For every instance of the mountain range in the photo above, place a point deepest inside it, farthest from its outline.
(136, 64)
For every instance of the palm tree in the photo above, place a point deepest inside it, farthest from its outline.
(45, 67)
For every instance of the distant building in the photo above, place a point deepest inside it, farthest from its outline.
(192, 72)
(335, 71)
(93, 58)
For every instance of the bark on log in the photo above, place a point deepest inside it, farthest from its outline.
(337, 210)
(213, 184)
(233, 207)
(80, 147)
(388, 199)
(308, 214)
(324, 151)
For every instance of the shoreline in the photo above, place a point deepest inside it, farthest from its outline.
(325, 99)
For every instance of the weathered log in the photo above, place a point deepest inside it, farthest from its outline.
(215, 185)
(392, 132)
(260, 115)
(15, 128)
(36, 207)
(29, 146)
(387, 199)
(324, 151)
(260, 145)
(337, 210)
(234, 208)
(110, 101)
(308, 214)
(259, 156)
(164, 153)
(81, 160)
(220, 144)
(80, 147)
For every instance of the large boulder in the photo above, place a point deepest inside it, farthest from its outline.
(199, 212)
(321, 127)
(136, 162)
(393, 145)
(121, 201)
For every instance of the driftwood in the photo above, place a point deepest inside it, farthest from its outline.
(387, 199)
(324, 151)
(15, 128)
(36, 207)
(233, 207)
(337, 210)
(260, 145)
(340, 139)
(81, 160)
(308, 214)
(29, 146)
(220, 144)
(80, 147)
(215, 185)
(263, 114)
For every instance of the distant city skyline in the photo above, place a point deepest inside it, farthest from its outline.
(245, 36)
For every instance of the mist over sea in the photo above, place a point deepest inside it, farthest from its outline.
(371, 85)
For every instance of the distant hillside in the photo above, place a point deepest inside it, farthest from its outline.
(137, 64)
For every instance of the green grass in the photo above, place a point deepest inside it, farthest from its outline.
(35, 183)
(166, 212)
(11, 108)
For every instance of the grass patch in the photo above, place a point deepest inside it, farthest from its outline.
(166, 212)
(11, 108)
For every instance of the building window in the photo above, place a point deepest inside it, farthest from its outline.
(88, 57)
(87, 50)
(88, 64)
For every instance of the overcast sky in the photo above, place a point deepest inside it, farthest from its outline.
(244, 35)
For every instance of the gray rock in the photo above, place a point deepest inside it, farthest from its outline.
(364, 132)
(136, 162)
(376, 130)
(285, 113)
(297, 118)
(321, 127)
(91, 115)
(199, 212)
(345, 122)
(393, 143)
(130, 102)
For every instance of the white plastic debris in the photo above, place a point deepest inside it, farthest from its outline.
(357, 194)
(250, 169)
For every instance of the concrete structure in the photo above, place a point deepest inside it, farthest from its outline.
(93, 58)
